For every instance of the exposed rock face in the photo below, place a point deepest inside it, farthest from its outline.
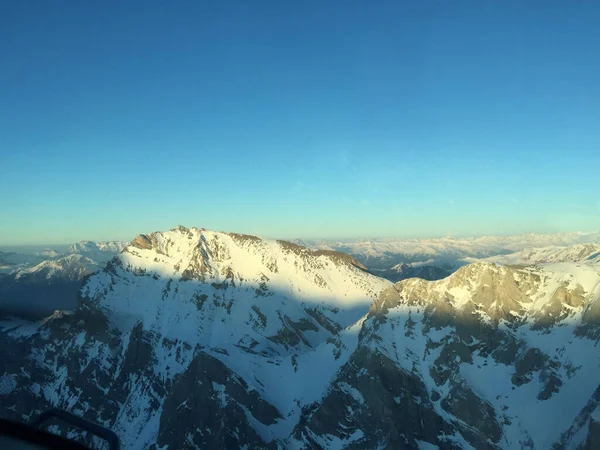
(209, 406)
(372, 404)
(593, 437)
(143, 242)
(590, 322)
(192, 338)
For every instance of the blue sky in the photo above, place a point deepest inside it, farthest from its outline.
(298, 119)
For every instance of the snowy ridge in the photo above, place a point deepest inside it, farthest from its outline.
(68, 266)
(529, 289)
(84, 247)
(35, 285)
(373, 248)
(201, 261)
(576, 253)
(26, 262)
(440, 256)
(265, 308)
(11, 261)
(269, 311)
(195, 338)
(516, 337)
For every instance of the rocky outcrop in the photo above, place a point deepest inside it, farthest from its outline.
(211, 407)
(332, 255)
(590, 321)
(144, 242)
(592, 440)
(374, 404)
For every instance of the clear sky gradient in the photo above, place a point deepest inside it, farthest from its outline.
(298, 119)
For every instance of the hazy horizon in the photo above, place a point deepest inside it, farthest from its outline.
(63, 247)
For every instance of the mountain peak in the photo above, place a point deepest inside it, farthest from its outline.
(199, 246)
(205, 270)
(97, 247)
(495, 293)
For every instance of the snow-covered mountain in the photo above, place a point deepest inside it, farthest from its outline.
(98, 251)
(491, 357)
(448, 253)
(575, 253)
(192, 338)
(72, 267)
(11, 261)
(36, 284)
(267, 322)
(39, 290)
(49, 253)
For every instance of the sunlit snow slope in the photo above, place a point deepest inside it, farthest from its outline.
(490, 357)
(270, 311)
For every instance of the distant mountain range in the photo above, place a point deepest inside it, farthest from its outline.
(97, 249)
(47, 280)
(197, 339)
(398, 259)
(575, 253)
(403, 271)
(37, 284)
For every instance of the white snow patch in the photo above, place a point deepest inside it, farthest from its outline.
(426, 445)
(353, 392)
